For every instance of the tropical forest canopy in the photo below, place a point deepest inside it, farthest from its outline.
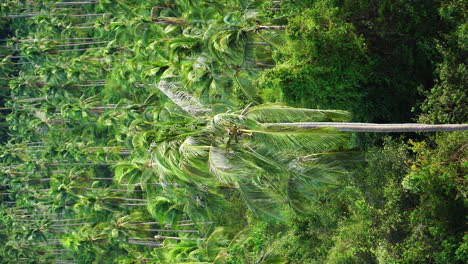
(144, 131)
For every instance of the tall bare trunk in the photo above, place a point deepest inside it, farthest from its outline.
(71, 50)
(76, 3)
(32, 99)
(176, 238)
(172, 230)
(270, 27)
(144, 243)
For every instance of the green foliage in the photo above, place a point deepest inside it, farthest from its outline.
(133, 132)
(362, 56)
(438, 178)
(447, 101)
(389, 212)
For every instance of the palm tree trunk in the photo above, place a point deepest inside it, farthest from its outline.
(76, 3)
(112, 190)
(74, 224)
(172, 230)
(71, 50)
(144, 243)
(191, 224)
(60, 39)
(157, 223)
(31, 99)
(271, 27)
(90, 85)
(88, 15)
(375, 128)
(79, 164)
(68, 9)
(78, 44)
(53, 220)
(261, 43)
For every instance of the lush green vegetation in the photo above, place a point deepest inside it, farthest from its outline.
(144, 131)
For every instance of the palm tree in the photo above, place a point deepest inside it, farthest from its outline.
(259, 140)
(200, 153)
(374, 128)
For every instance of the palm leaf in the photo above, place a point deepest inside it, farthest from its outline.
(214, 243)
(222, 167)
(301, 141)
(185, 101)
(245, 86)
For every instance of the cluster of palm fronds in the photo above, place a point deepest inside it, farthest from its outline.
(123, 136)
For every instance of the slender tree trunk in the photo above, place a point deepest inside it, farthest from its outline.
(376, 128)
(80, 164)
(76, 3)
(261, 43)
(71, 50)
(270, 27)
(172, 230)
(90, 85)
(68, 9)
(53, 220)
(144, 243)
(176, 238)
(157, 223)
(134, 200)
(75, 224)
(32, 99)
(191, 224)
(112, 190)
(88, 15)
(20, 16)
(138, 184)
(60, 39)
(29, 215)
(80, 43)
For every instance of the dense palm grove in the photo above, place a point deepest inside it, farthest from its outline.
(147, 131)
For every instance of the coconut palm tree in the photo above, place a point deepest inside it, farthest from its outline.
(272, 142)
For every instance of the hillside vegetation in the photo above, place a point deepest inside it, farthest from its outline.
(146, 131)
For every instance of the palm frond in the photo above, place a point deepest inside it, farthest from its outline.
(277, 113)
(221, 167)
(221, 122)
(264, 205)
(214, 244)
(172, 167)
(298, 140)
(191, 148)
(185, 101)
